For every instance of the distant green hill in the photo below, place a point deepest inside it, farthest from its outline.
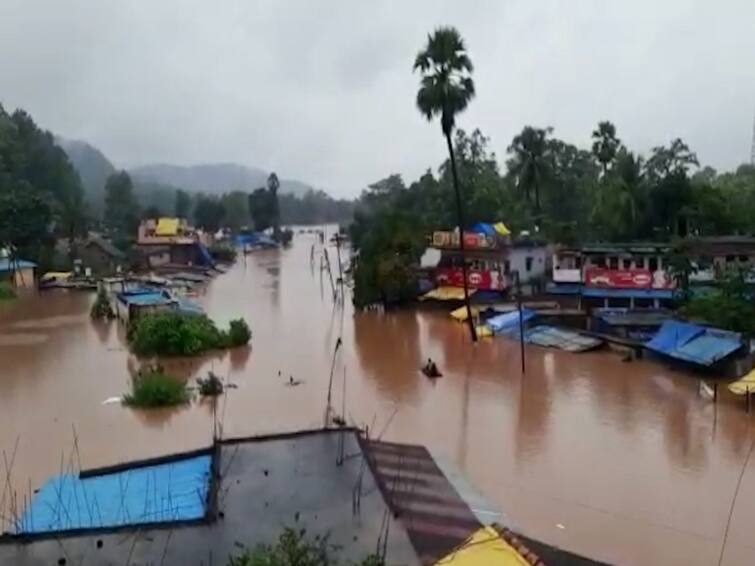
(213, 178)
(93, 169)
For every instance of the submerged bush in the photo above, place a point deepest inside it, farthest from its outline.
(178, 334)
(101, 307)
(153, 388)
(211, 386)
(223, 252)
(239, 333)
(6, 291)
(295, 548)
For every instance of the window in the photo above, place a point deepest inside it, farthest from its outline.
(599, 261)
(578, 262)
(626, 263)
(653, 264)
(730, 258)
(613, 262)
(743, 258)
(528, 263)
(506, 267)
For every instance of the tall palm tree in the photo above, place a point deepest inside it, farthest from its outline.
(445, 90)
(273, 184)
(605, 144)
(530, 163)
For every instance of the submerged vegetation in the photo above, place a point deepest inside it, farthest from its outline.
(294, 548)
(210, 386)
(223, 252)
(6, 291)
(152, 387)
(176, 334)
(101, 307)
(729, 306)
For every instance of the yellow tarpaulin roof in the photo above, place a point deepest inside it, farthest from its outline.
(167, 227)
(501, 228)
(50, 275)
(446, 294)
(741, 387)
(484, 548)
(460, 314)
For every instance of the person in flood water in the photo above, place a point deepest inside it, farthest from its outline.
(430, 369)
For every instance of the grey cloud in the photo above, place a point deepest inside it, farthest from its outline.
(323, 91)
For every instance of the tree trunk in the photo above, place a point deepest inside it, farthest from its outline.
(460, 222)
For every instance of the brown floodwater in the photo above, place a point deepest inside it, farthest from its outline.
(624, 462)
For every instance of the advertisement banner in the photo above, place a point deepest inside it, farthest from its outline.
(628, 278)
(484, 280)
(472, 241)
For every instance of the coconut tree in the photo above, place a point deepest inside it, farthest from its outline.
(273, 184)
(605, 145)
(445, 90)
(529, 164)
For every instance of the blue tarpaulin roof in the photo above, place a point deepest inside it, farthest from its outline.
(694, 343)
(563, 288)
(144, 297)
(483, 228)
(175, 491)
(628, 293)
(6, 265)
(502, 322)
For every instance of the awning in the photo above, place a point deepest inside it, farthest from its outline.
(694, 343)
(446, 294)
(484, 547)
(563, 288)
(56, 276)
(561, 338)
(167, 227)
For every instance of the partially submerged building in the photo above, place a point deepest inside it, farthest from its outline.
(165, 241)
(18, 272)
(492, 256)
(615, 275)
(201, 507)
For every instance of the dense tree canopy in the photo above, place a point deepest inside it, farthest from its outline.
(595, 194)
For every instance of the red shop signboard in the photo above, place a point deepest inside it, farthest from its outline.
(453, 277)
(628, 278)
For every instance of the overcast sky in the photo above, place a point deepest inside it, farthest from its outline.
(323, 91)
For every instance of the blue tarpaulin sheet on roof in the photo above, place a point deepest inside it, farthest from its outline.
(175, 491)
(503, 322)
(144, 298)
(628, 293)
(8, 265)
(694, 343)
(255, 238)
(483, 228)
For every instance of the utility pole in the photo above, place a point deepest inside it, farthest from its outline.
(521, 320)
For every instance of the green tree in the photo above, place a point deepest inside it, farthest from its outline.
(605, 145)
(209, 213)
(121, 207)
(273, 184)
(183, 204)
(446, 89)
(529, 164)
(236, 210)
(261, 209)
(24, 222)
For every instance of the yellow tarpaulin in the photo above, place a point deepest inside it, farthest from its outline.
(446, 294)
(167, 227)
(55, 275)
(747, 382)
(460, 314)
(484, 331)
(484, 548)
(501, 228)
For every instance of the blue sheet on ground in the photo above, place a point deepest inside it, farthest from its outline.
(175, 491)
(508, 320)
(694, 343)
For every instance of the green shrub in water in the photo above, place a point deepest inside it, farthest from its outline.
(101, 307)
(153, 388)
(211, 386)
(6, 291)
(223, 252)
(178, 334)
(239, 333)
(295, 548)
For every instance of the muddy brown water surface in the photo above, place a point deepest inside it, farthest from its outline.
(623, 462)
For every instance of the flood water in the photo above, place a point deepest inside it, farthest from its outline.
(623, 462)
